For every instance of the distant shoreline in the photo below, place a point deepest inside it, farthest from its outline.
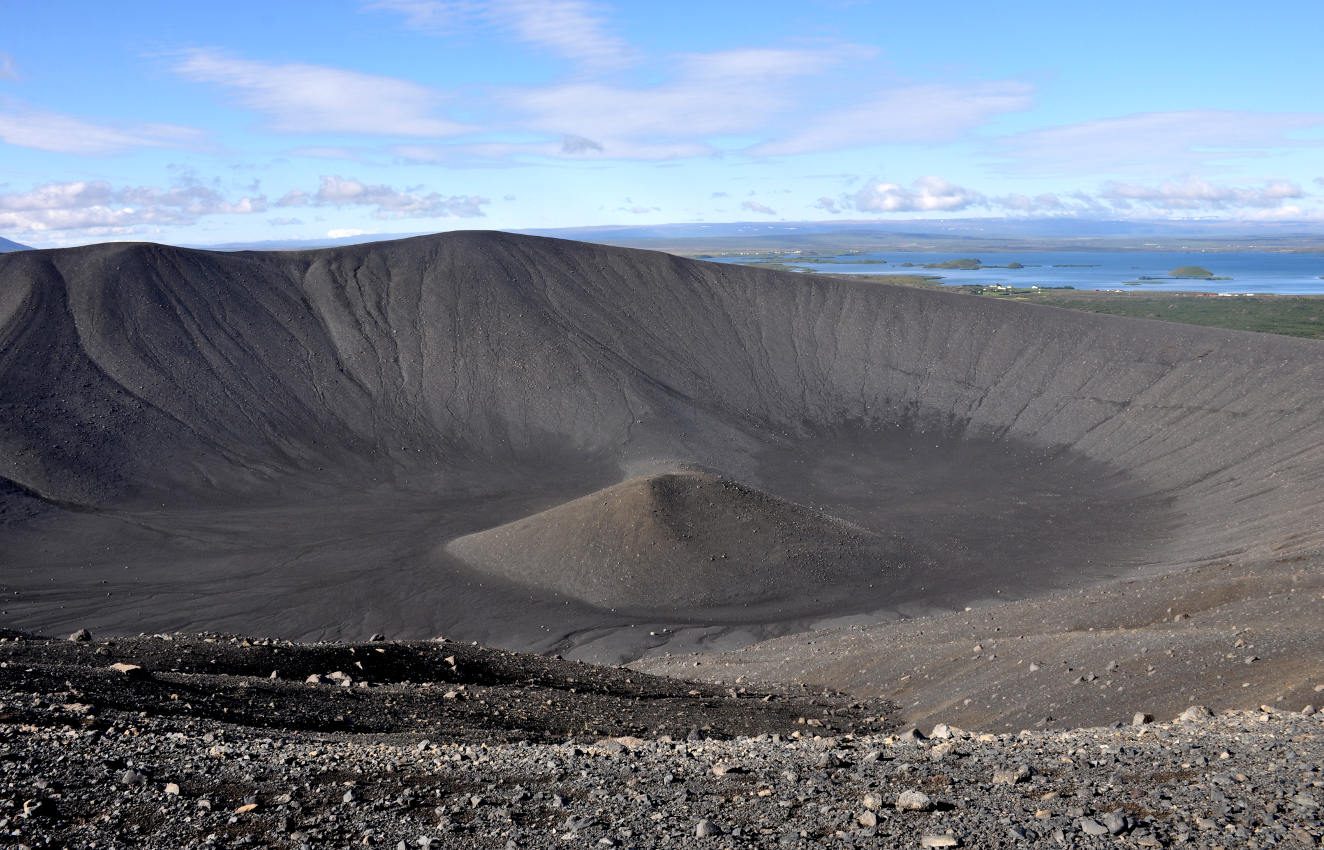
(976, 246)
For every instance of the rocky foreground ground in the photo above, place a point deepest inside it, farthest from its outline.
(217, 741)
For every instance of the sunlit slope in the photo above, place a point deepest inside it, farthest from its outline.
(691, 541)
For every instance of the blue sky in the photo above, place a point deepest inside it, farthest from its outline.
(208, 122)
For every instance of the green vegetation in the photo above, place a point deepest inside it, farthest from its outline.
(965, 263)
(1192, 272)
(891, 279)
(776, 265)
(1290, 315)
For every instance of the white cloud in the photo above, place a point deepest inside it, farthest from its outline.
(755, 206)
(51, 131)
(751, 64)
(331, 152)
(573, 29)
(488, 154)
(1156, 142)
(100, 207)
(305, 99)
(572, 144)
(905, 115)
(1195, 193)
(927, 194)
(284, 221)
(759, 100)
(336, 191)
(763, 93)
(8, 70)
(738, 92)
(345, 232)
(1192, 195)
(1287, 212)
(728, 92)
(569, 27)
(438, 17)
(1046, 202)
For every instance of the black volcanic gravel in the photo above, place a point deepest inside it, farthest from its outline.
(210, 755)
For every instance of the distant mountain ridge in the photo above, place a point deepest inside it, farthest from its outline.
(958, 234)
(10, 245)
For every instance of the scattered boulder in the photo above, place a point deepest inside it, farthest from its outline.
(912, 800)
(80, 708)
(1116, 821)
(39, 807)
(829, 761)
(1090, 826)
(1011, 775)
(130, 671)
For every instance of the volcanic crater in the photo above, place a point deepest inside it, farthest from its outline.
(543, 445)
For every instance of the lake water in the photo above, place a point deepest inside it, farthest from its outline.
(1250, 272)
